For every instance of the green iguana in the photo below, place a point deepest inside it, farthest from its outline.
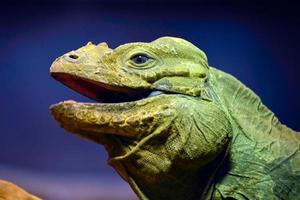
(174, 127)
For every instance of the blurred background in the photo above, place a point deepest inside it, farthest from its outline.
(257, 42)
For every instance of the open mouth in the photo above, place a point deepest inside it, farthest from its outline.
(101, 92)
(104, 93)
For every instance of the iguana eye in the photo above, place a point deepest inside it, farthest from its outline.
(140, 59)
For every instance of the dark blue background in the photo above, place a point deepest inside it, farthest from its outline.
(256, 42)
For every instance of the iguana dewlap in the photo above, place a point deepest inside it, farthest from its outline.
(174, 127)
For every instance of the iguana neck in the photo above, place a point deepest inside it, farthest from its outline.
(178, 183)
(264, 155)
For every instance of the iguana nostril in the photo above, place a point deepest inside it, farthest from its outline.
(73, 56)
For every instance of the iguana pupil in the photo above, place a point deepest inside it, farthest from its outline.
(140, 59)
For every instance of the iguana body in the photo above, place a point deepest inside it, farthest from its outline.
(175, 128)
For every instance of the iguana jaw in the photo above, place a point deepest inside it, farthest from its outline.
(121, 127)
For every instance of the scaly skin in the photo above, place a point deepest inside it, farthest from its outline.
(206, 137)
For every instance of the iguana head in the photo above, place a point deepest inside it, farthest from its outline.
(153, 113)
(167, 64)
